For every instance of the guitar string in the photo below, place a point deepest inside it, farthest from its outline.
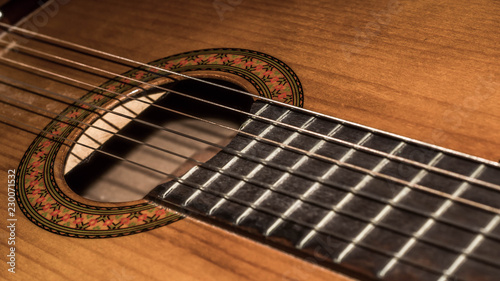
(283, 168)
(255, 182)
(426, 189)
(313, 155)
(258, 208)
(278, 144)
(300, 130)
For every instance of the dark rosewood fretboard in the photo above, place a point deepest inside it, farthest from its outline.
(341, 216)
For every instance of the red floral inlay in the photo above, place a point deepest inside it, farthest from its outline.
(97, 97)
(74, 114)
(35, 183)
(125, 221)
(40, 154)
(47, 207)
(33, 174)
(139, 75)
(45, 143)
(282, 96)
(279, 87)
(142, 217)
(160, 212)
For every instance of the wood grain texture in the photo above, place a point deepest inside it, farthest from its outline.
(427, 70)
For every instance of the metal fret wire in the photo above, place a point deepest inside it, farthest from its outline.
(381, 214)
(392, 157)
(284, 168)
(179, 180)
(334, 161)
(331, 213)
(232, 161)
(470, 248)
(269, 158)
(388, 208)
(428, 224)
(229, 164)
(310, 190)
(217, 174)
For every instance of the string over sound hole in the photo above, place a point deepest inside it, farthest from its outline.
(152, 137)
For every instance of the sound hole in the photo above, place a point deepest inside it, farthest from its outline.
(99, 177)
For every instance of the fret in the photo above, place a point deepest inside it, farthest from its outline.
(275, 152)
(339, 215)
(191, 171)
(428, 224)
(176, 184)
(297, 203)
(470, 248)
(332, 213)
(244, 150)
(380, 215)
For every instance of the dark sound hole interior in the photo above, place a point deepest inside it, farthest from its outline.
(103, 178)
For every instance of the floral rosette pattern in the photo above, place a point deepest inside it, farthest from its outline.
(43, 202)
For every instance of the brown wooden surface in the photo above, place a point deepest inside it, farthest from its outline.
(427, 70)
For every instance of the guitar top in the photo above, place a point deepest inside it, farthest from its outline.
(425, 70)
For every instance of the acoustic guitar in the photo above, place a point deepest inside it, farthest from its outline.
(251, 140)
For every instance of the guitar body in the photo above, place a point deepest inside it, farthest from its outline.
(424, 70)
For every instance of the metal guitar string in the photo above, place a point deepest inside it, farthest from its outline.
(270, 121)
(454, 198)
(273, 122)
(198, 188)
(342, 237)
(305, 152)
(255, 182)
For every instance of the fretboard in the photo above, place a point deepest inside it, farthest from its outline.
(349, 197)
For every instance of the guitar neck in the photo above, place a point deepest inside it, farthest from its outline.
(349, 197)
